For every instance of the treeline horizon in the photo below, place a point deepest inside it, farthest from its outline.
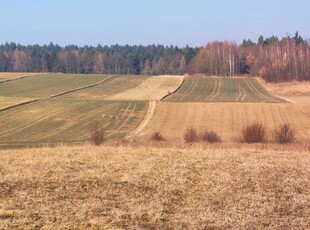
(272, 59)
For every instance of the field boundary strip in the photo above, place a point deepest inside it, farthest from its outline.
(20, 104)
(55, 95)
(146, 121)
(19, 78)
(81, 88)
(173, 92)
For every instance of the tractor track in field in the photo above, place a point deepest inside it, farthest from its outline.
(179, 97)
(218, 90)
(146, 121)
(131, 111)
(81, 118)
(242, 94)
(259, 94)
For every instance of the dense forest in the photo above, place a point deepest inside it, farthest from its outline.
(271, 58)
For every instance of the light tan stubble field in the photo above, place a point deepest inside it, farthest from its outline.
(154, 88)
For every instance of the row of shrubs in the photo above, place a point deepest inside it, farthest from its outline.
(253, 133)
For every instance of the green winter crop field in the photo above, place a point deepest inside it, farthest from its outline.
(222, 90)
(110, 87)
(68, 120)
(48, 84)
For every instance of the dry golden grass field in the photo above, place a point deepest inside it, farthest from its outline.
(137, 183)
(227, 119)
(188, 108)
(153, 88)
(130, 187)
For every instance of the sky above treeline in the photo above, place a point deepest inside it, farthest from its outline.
(145, 22)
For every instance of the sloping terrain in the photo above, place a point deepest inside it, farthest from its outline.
(153, 88)
(47, 85)
(227, 119)
(111, 87)
(13, 76)
(220, 89)
(56, 120)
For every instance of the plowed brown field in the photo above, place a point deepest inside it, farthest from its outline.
(227, 119)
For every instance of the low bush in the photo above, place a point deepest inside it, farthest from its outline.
(211, 137)
(97, 134)
(157, 136)
(254, 133)
(284, 134)
(191, 135)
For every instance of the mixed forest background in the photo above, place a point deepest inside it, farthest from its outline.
(272, 59)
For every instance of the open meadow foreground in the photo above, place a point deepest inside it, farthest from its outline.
(131, 187)
(137, 181)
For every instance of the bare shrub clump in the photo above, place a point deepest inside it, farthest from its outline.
(157, 136)
(191, 135)
(211, 137)
(97, 134)
(254, 133)
(284, 134)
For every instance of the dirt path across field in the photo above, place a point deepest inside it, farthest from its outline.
(148, 118)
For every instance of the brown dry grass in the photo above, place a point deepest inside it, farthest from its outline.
(295, 91)
(227, 119)
(153, 88)
(293, 88)
(154, 188)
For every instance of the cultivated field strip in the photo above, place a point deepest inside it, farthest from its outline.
(66, 120)
(6, 77)
(42, 86)
(227, 119)
(222, 90)
(110, 87)
(8, 102)
(152, 88)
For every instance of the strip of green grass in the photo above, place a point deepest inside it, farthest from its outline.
(47, 84)
(108, 88)
(66, 120)
(223, 90)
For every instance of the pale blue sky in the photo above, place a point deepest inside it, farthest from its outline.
(135, 22)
